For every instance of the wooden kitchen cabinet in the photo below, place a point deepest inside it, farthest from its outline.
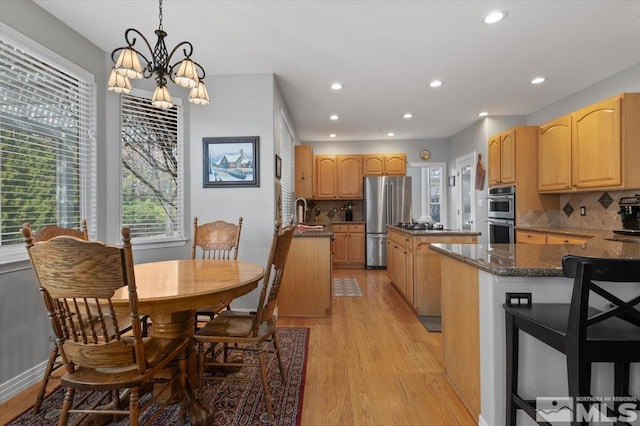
(554, 155)
(325, 177)
(384, 164)
(306, 284)
(533, 237)
(350, 177)
(598, 143)
(502, 158)
(338, 177)
(304, 171)
(348, 245)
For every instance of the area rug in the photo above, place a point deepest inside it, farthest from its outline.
(345, 287)
(234, 403)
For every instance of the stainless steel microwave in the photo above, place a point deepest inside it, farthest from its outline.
(501, 203)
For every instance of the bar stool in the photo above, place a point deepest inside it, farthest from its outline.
(584, 334)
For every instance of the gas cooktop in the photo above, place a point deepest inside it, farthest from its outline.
(421, 226)
(627, 231)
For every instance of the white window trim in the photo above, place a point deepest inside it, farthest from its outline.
(424, 192)
(15, 258)
(152, 243)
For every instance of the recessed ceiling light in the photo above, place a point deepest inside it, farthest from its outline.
(334, 117)
(435, 83)
(336, 86)
(538, 80)
(332, 135)
(495, 16)
(391, 134)
(483, 114)
(408, 115)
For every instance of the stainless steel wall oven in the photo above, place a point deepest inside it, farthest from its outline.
(501, 206)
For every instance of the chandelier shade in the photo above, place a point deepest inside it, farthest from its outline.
(133, 64)
(118, 83)
(199, 95)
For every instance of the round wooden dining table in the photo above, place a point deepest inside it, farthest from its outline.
(171, 291)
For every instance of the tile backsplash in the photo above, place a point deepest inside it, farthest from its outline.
(601, 211)
(323, 210)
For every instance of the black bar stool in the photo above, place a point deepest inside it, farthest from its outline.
(584, 334)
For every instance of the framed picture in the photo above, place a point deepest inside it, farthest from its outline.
(278, 166)
(230, 162)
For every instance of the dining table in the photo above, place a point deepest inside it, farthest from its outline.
(170, 292)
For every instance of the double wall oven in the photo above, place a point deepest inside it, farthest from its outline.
(501, 215)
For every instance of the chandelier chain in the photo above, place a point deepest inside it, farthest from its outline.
(160, 15)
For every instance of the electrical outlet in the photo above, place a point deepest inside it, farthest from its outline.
(518, 299)
(583, 211)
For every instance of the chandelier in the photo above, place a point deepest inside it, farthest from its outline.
(185, 73)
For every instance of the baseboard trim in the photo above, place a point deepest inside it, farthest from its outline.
(481, 421)
(12, 387)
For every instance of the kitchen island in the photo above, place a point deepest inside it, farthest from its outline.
(414, 270)
(306, 284)
(475, 279)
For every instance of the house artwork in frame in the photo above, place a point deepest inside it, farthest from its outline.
(230, 161)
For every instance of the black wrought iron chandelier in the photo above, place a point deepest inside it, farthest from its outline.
(185, 73)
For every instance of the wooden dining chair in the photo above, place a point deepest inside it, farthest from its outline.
(215, 240)
(43, 234)
(584, 333)
(77, 280)
(243, 331)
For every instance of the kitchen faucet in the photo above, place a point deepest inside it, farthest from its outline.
(301, 210)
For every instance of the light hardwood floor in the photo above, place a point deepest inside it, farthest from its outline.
(370, 363)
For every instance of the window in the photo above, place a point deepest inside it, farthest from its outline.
(47, 143)
(431, 191)
(152, 176)
(287, 172)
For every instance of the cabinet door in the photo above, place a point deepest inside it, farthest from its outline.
(356, 247)
(427, 280)
(373, 165)
(350, 176)
(493, 152)
(554, 155)
(325, 176)
(395, 165)
(340, 249)
(408, 274)
(508, 157)
(596, 145)
(304, 171)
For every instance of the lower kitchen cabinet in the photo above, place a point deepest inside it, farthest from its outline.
(306, 285)
(414, 269)
(532, 237)
(348, 245)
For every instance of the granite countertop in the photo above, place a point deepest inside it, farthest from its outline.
(537, 260)
(565, 230)
(434, 232)
(327, 231)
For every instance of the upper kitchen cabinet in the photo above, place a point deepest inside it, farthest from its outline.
(601, 146)
(350, 177)
(554, 155)
(385, 164)
(338, 177)
(304, 171)
(325, 177)
(502, 159)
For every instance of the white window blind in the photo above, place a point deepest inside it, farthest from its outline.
(287, 181)
(47, 144)
(152, 170)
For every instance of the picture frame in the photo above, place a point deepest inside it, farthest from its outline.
(278, 166)
(231, 161)
(452, 181)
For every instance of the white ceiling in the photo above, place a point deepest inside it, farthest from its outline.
(386, 53)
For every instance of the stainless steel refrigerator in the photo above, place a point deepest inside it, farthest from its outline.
(387, 201)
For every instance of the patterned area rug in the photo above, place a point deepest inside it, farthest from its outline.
(345, 287)
(234, 403)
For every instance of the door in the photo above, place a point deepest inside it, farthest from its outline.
(466, 172)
